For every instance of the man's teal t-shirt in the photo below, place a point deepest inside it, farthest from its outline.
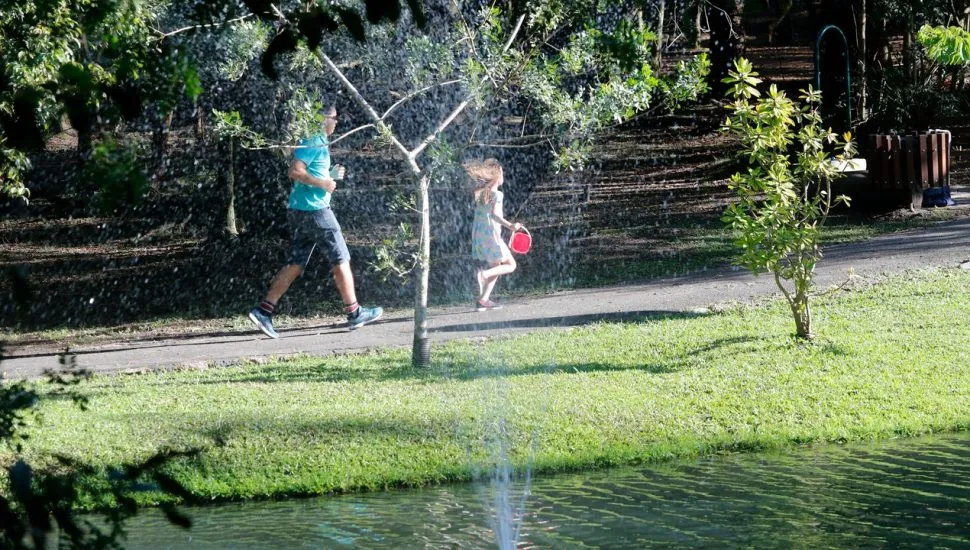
(315, 153)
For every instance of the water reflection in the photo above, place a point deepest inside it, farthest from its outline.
(909, 493)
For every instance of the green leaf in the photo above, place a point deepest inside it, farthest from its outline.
(193, 84)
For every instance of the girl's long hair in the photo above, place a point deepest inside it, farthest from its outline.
(483, 174)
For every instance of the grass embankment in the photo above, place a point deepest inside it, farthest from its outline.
(890, 360)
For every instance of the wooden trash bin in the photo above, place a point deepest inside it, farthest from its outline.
(909, 162)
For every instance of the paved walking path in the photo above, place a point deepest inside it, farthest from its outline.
(945, 245)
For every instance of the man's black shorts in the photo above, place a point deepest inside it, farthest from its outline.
(312, 228)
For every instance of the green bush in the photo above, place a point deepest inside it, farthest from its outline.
(113, 171)
(785, 195)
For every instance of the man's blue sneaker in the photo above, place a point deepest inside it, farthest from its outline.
(364, 315)
(263, 322)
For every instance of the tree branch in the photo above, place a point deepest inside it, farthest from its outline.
(441, 128)
(781, 286)
(525, 118)
(649, 112)
(191, 27)
(531, 138)
(412, 95)
(279, 13)
(354, 131)
(363, 103)
(461, 106)
(518, 27)
(495, 145)
(268, 147)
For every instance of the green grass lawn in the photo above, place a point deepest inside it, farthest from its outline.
(891, 360)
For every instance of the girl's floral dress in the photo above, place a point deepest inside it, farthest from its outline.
(487, 243)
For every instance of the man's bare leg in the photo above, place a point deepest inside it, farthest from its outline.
(262, 315)
(282, 281)
(344, 278)
(357, 316)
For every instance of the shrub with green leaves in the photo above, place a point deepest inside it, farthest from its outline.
(117, 176)
(13, 165)
(945, 45)
(785, 195)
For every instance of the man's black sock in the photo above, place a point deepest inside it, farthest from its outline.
(352, 311)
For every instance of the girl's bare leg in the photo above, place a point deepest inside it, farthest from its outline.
(492, 274)
(487, 290)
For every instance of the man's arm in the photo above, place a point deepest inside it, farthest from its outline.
(298, 173)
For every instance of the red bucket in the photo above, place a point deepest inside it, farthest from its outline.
(521, 241)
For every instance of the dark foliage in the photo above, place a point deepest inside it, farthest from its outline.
(38, 503)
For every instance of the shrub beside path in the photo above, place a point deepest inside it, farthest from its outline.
(944, 245)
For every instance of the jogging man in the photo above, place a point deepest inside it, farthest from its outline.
(313, 227)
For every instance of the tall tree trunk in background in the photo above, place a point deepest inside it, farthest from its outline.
(85, 144)
(726, 42)
(861, 19)
(690, 23)
(658, 53)
(909, 63)
(279, 111)
(877, 61)
(784, 8)
(199, 121)
(231, 227)
(162, 125)
(80, 188)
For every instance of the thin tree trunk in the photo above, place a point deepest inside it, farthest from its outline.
(690, 23)
(799, 303)
(698, 12)
(803, 317)
(85, 145)
(421, 345)
(726, 42)
(80, 188)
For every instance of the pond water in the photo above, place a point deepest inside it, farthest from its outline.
(905, 493)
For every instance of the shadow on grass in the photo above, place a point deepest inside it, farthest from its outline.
(568, 320)
(398, 429)
(451, 365)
